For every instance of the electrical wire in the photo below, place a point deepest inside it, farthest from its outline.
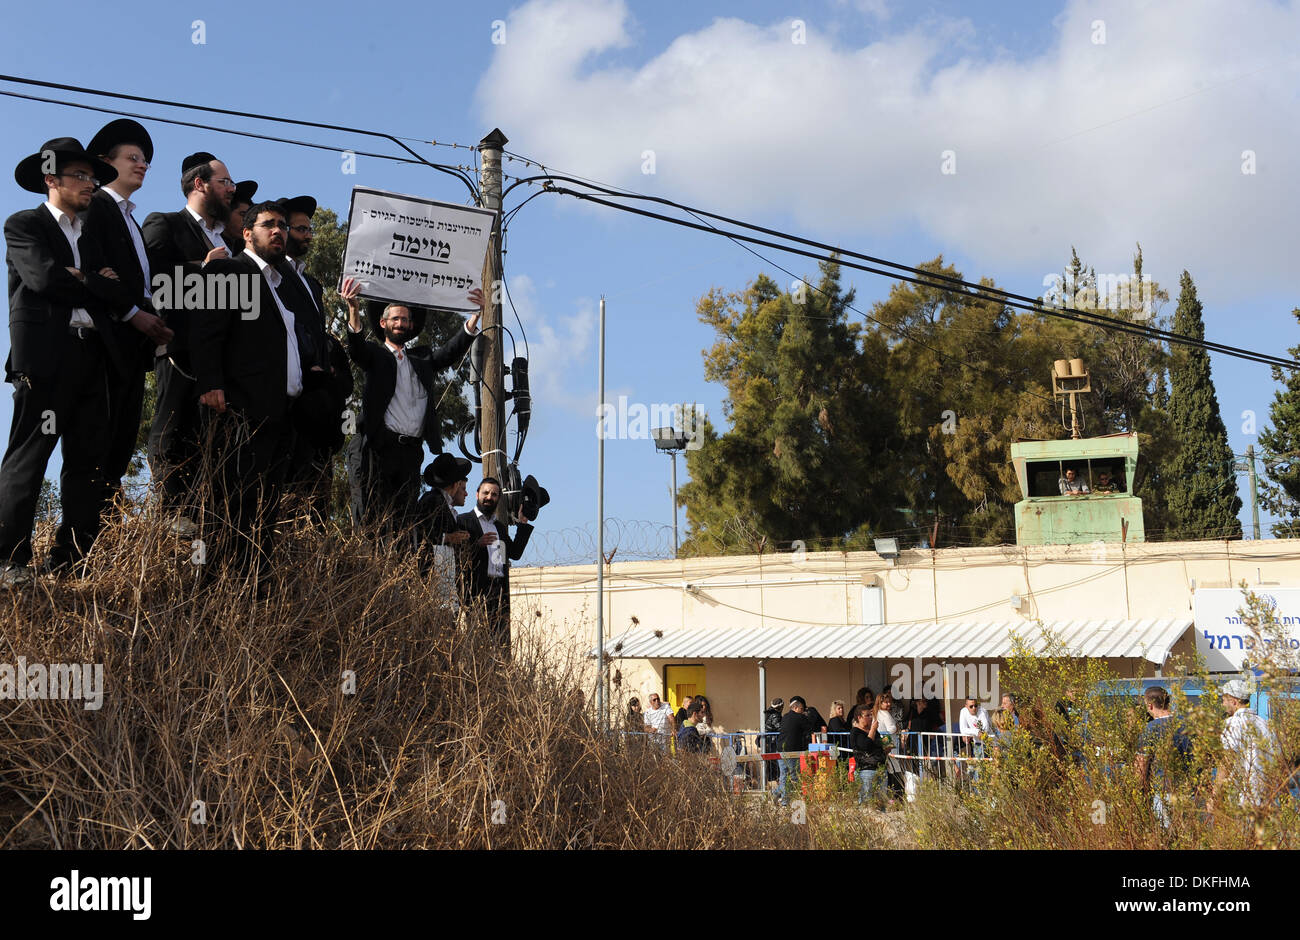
(246, 114)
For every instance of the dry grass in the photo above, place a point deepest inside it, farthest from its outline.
(214, 696)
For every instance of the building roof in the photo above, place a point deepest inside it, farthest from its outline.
(1130, 639)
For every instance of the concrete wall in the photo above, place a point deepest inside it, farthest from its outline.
(1080, 582)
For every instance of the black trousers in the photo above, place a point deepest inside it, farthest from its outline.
(174, 436)
(244, 467)
(492, 609)
(125, 405)
(389, 480)
(69, 408)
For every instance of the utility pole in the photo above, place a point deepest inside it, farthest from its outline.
(1254, 497)
(492, 435)
(600, 527)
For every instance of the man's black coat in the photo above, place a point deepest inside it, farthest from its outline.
(380, 369)
(105, 226)
(475, 574)
(43, 294)
(172, 239)
(246, 358)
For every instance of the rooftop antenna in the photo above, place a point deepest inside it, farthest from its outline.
(1070, 379)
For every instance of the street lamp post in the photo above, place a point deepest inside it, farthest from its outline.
(670, 441)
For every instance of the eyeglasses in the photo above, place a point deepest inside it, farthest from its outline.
(137, 159)
(301, 229)
(225, 181)
(81, 178)
(272, 224)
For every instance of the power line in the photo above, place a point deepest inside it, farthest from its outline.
(246, 114)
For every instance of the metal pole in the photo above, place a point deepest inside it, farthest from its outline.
(600, 528)
(1254, 496)
(760, 738)
(492, 392)
(673, 454)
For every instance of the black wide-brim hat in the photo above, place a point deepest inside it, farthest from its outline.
(30, 173)
(245, 191)
(303, 204)
(445, 470)
(375, 313)
(535, 497)
(122, 131)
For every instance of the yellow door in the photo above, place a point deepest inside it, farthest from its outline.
(683, 681)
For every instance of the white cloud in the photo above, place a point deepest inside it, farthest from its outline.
(1093, 144)
(555, 343)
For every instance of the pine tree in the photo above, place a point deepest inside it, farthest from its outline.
(1201, 486)
(1280, 494)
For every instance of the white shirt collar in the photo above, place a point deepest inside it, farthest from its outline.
(60, 217)
(215, 230)
(120, 199)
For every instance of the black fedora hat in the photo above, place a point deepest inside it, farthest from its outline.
(245, 191)
(122, 131)
(446, 470)
(304, 204)
(375, 313)
(30, 172)
(534, 497)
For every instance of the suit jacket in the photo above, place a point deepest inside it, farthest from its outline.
(474, 573)
(105, 225)
(308, 316)
(246, 358)
(380, 369)
(174, 239)
(42, 294)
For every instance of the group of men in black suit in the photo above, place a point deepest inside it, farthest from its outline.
(251, 387)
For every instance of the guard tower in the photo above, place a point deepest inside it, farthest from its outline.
(1098, 503)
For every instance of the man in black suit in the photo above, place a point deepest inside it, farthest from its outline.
(60, 351)
(437, 528)
(327, 375)
(233, 235)
(248, 372)
(398, 414)
(182, 243)
(485, 581)
(109, 224)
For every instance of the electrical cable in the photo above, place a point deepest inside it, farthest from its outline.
(246, 114)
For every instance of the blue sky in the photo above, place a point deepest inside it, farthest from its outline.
(1059, 139)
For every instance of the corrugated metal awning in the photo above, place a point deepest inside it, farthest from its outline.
(1133, 639)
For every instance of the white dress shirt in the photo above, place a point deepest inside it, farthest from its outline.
(497, 550)
(70, 226)
(127, 207)
(213, 234)
(405, 414)
(294, 383)
(973, 725)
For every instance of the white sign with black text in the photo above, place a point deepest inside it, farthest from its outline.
(1223, 639)
(415, 251)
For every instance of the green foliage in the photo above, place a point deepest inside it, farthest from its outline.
(1201, 490)
(840, 430)
(1280, 489)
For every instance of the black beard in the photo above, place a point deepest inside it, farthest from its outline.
(487, 510)
(397, 337)
(215, 207)
(296, 249)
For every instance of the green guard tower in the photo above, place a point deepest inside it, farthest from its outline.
(1080, 490)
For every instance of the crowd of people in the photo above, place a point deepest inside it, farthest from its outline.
(875, 729)
(251, 387)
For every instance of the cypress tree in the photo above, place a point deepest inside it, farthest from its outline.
(1280, 493)
(1201, 485)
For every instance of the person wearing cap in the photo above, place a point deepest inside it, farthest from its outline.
(233, 233)
(126, 146)
(327, 378)
(485, 577)
(398, 416)
(1249, 749)
(248, 371)
(60, 351)
(439, 534)
(181, 243)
